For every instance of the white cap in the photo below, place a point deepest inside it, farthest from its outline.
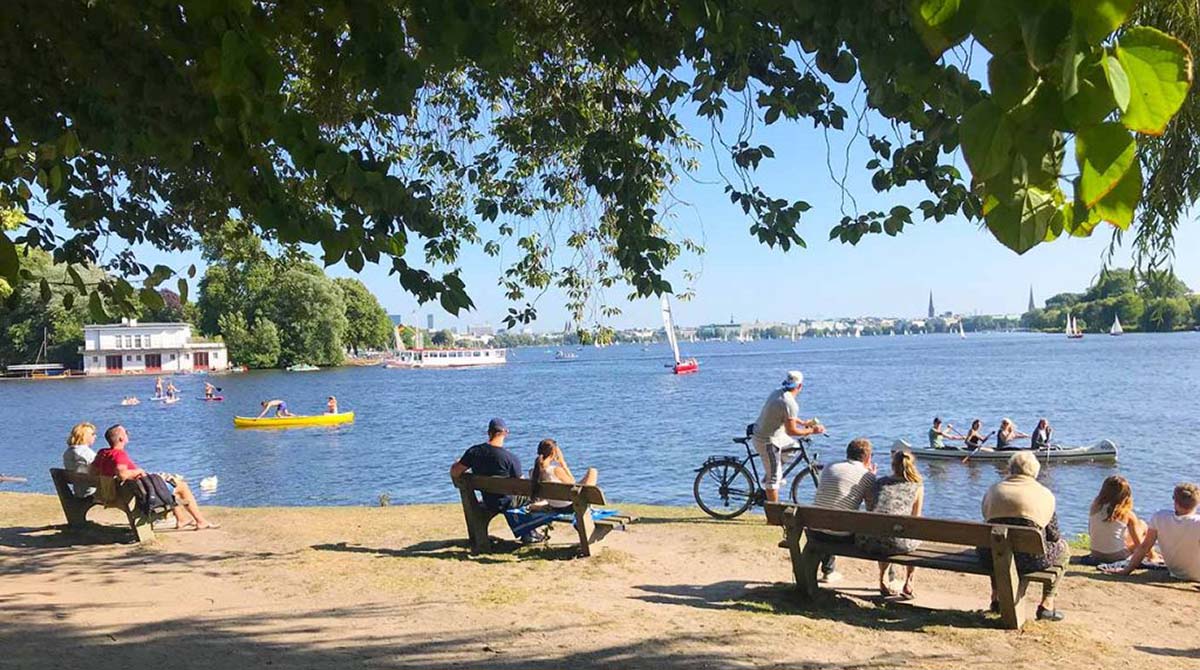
(795, 378)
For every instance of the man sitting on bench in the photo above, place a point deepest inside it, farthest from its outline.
(114, 462)
(846, 486)
(491, 459)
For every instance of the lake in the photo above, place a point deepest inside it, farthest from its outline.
(620, 410)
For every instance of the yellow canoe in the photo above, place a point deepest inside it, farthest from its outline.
(292, 421)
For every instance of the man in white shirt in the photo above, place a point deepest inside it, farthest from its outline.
(778, 423)
(845, 485)
(1177, 533)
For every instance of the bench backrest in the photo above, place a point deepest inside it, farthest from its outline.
(511, 486)
(75, 477)
(965, 533)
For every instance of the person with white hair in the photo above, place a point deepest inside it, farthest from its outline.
(777, 424)
(1020, 500)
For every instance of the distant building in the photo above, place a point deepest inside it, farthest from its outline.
(130, 347)
(480, 331)
(932, 313)
(429, 321)
(1031, 304)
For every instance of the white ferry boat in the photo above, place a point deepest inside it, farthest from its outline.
(447, 358)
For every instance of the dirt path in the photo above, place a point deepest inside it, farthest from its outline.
(395, 588)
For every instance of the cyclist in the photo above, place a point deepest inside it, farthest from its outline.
(777, 424)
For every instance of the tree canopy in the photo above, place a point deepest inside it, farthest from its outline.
(369, 326)
(1151, 300)
(387, 130)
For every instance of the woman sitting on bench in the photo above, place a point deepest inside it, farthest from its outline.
(550, 467)
(900, 493)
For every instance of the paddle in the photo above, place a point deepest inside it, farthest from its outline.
(985, 439)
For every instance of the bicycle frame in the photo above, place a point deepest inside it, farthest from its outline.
(752, 457)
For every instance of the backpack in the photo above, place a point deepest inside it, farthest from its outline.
(154, 496)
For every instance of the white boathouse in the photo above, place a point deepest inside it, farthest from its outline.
(130, 347)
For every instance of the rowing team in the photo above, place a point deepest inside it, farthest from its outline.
(1006, 436)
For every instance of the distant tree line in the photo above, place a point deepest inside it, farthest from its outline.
(1151, 302)
(282, 310)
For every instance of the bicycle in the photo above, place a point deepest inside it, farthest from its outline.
(725, 488)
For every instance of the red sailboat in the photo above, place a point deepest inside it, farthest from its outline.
(682, 366)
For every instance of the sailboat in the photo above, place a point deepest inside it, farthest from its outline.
(681, 366)
(961, 333)
(1073, 332)
(1116, 327)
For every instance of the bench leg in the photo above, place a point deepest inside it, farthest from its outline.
(1010, 588)
(477, 522)
(74, 509)
(585, 525)
(805, 562)
(141, 526)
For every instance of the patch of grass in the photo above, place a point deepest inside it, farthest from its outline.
(504, 595)
(608, 556)
(1081, 542)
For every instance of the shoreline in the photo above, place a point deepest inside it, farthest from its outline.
(395, 587)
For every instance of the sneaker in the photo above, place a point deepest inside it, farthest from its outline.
(1052, 616)
(536, 537)
(830, 577)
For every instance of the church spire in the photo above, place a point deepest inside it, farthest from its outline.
(1031, 305)
(931, 312)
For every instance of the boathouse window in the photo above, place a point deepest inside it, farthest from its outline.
(172, 356)
(129, 341)
(148, 345)
(137, 341)
(139, 357)
(95, 359)
(129, 358)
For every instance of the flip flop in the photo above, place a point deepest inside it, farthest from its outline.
(887, 592)
(211, 526)
(906, 594)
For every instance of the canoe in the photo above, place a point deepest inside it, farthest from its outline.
(292, 421)
(1104, 450)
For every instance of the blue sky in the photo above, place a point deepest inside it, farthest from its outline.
(967, 270)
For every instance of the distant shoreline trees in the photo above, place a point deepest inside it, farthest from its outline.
(1150, 302)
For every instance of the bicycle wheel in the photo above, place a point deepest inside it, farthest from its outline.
(803, 478)
(724, 489)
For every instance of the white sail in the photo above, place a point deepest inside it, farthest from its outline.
(1070, 328)
(961, 332)
(1116, 327)
(669, 326)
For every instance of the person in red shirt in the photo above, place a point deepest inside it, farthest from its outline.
(113, 461)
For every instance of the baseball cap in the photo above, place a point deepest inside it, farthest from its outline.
(794, 379)
(497, 425)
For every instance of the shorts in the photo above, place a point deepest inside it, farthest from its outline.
(772, 461)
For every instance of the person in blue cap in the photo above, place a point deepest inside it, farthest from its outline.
(491, 459)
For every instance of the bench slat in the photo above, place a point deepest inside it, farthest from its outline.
(963, 533)
(523, 487)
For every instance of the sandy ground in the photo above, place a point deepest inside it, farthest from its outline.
(396, 588)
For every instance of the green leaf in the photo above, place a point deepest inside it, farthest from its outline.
(1094, 99)
(68, 300)
(151, 298)
(1044, 32)
(10, 262)
(1010, 79)
(96, 307)
(1159, 68)
(1024, 221)
(1118, 83)
(77, 279)
(44, 287)
(182, 285)
(1097, 19)
(844, 68)
(1104, 154)
(158, 276)
(941, 23)
(1118, 206)
(191, 271)
(986, 139)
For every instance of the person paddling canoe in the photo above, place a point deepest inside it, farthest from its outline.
(937, 434)
(1007, 437)
(280, 407)
(975, 438)
(1041, 435)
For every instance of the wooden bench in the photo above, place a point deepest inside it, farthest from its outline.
(581, 498)
(954, 549)
(109, 492)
